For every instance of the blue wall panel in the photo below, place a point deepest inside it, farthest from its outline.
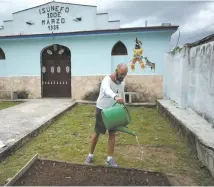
(90, 54)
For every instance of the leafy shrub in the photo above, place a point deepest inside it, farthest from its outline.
(22, 94)
(93, 95)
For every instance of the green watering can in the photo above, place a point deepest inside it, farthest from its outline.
(117, 118)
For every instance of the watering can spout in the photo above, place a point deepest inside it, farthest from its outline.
(124, 129)
(117, 118)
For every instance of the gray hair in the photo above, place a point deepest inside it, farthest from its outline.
(120, 65)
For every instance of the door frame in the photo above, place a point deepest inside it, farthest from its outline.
(41, 64)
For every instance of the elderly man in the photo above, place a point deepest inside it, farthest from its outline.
(111, 91)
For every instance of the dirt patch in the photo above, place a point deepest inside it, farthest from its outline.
(185, 180)
(134, 152)
(55, 173)
(157, 156)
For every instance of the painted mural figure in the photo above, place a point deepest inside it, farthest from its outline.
(138, 52)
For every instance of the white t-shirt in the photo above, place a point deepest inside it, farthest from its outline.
(108, 90)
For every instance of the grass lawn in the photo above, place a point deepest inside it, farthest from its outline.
(69, 139)
(7, 104)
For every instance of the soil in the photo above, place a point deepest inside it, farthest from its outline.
(56, 173)
(155, 156)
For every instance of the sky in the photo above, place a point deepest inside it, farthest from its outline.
(194, 18)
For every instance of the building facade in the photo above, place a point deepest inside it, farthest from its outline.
(64, 50)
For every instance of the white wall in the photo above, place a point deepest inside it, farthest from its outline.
(102, 20)
(57, 17)
(114, 24)
(189, 79)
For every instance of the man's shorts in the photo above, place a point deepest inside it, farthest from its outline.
(99, 124)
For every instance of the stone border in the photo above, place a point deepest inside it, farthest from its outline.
(204, 152)
(151, 104)
(21, 172)
(12, 148)
(13, 100)
(29, 99)
(146, 104)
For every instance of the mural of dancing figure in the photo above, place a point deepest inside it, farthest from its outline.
(137, 57)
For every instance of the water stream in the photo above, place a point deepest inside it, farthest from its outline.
(140, 148)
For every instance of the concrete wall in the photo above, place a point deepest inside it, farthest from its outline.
(189, 79)
(149, 87)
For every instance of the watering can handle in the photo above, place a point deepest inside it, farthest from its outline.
(114, 104)
(117, 103)
(127, 111)
(124, 107)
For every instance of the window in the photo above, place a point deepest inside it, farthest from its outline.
(2, 55)
(119, 49)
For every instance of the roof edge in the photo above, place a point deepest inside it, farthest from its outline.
(101, 13)
(110, 31)
(8, 20)
(204, 40)
(174, 27)
(114, 21)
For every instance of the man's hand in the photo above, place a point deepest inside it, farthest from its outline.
(119, 100)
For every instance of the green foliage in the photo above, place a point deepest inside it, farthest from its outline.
(22, 94)
(175, 50)
(93, 95)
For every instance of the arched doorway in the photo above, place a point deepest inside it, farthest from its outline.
(56, 71)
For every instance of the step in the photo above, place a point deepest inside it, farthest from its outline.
(198, 132)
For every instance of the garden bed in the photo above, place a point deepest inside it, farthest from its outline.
(58, 173)
(68, 139)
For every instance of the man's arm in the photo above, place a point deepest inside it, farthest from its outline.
(123, 94)
(108, 91)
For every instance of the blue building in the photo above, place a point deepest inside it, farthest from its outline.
(64, 50)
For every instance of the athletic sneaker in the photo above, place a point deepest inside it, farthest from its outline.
(111, 163)
(89, 159)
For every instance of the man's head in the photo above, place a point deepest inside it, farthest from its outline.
(121, 72)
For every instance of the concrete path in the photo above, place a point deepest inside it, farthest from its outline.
(18, 121)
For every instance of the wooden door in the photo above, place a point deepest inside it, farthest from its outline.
(56, 71)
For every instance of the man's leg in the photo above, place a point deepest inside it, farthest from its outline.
(111, 142)
(94, 140)
(98, 129)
